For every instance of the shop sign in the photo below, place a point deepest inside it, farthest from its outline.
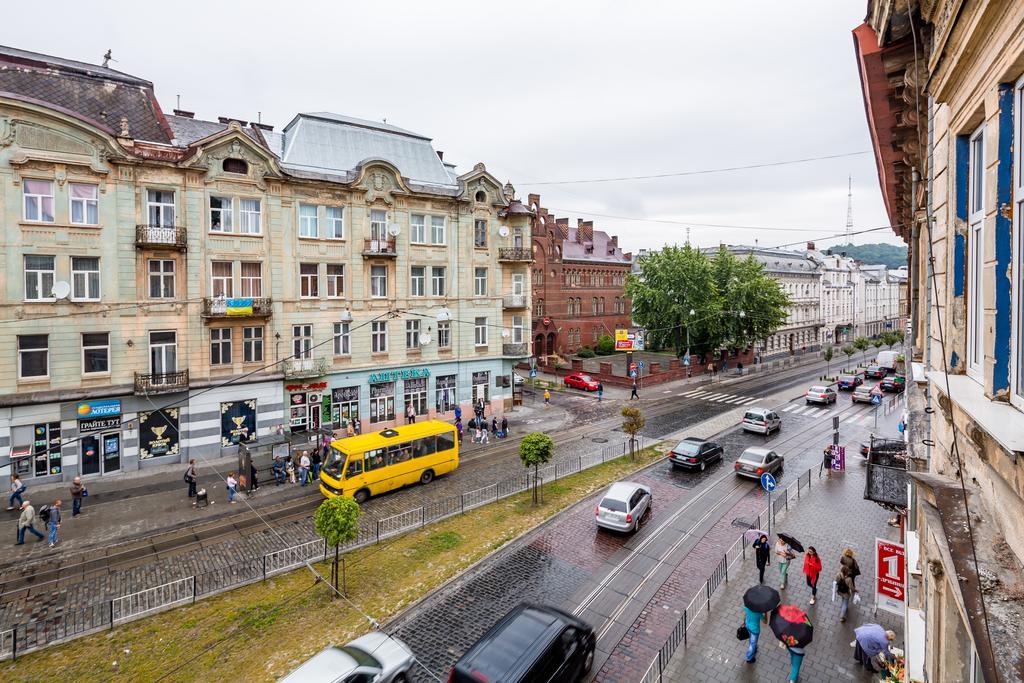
(890, 575)
(315, 386)
(99, 424)
(393, 375)
(345, 395)
(237, 422)
(158, 433)
(103, 408)
(631, 339)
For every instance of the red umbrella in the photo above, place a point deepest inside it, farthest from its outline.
(792, 626)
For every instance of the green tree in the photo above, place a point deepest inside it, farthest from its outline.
(605, 345)
(862, 344)
(849, 350)
(337, 521)
(828, 354)
(877, 343)
(632, 423)
(753, 304)
(535, 450)
(887, 338)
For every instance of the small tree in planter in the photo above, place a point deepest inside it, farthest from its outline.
(828, 354)
(337, 521)
(862, 344)
(849, 350)
(632, 423)
(535, 450)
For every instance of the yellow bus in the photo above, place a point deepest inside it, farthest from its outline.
(371, 464)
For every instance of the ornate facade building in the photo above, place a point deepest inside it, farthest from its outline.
(174, 286)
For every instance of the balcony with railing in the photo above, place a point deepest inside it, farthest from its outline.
(295, 368)
(240, 307)
(515, 350)
(379, 248)
(160, 382)
(513, 302)
(160, 237)
(515, 254)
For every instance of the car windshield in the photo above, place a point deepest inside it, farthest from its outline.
(363, 658)
(862, 389)
(614, 504)
(817, 390)
(753, 417)
(585, 378)
(754, 457)
(335, 461)
(687, 447)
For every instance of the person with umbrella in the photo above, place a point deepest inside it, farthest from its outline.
(784, 547)
(872, 641)
(757, 602)
(793, 628)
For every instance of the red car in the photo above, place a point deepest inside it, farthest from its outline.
(584, 382)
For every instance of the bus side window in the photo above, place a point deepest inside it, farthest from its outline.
(424, 446)
(373, 459)
(399, 453)
(355, 468)
(445, 441)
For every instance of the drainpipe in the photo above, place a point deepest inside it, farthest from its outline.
(930, 217)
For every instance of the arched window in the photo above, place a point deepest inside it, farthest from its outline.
(235, 166)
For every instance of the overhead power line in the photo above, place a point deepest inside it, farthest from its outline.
(693, 224)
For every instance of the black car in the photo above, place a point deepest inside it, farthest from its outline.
(695, 454)
(531, 643)
(891, 385)
(876, 372)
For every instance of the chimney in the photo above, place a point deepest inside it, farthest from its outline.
(533, 199)
(227, 119)
(810, 246)
(184, 114)
(262, 126)
(614, 241)
(563, 228)
(440, 155)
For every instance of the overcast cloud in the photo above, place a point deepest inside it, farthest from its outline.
(538, 91)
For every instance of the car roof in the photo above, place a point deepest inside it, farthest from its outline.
(330, 664)
(755, 450)
(758, 410)
(527, 628)
(622, 489)
(818, 387)
(693, 439)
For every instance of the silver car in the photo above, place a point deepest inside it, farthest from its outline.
(374, 657)
(756, 461)
(761, 421)
(623, 506)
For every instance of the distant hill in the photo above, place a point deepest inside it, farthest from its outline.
(889, 255)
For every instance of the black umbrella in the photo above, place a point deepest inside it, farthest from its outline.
(793, 543)
(761, 599)
(791, 625)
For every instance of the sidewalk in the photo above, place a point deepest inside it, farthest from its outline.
(832, 516)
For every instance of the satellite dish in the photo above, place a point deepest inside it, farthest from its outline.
(443, 315)
(346, 316)
(61, 289)
(503, 231)
(425, 339)
(505, 334)
(394, 229)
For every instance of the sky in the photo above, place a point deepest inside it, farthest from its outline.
(541, 92)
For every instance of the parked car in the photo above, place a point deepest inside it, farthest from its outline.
(585, 382)
(531, 643)
(694, 453)
(863, 393)
(820, 394)
(623, 506)
(756, 461)
(849, 382)
(374, 657)
(517, 379)
(875, 372)
(887, 360)
(891, 385)
(761, 421)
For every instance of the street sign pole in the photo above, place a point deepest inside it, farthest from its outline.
(768, 483)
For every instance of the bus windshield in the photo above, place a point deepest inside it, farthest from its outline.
(335, 462)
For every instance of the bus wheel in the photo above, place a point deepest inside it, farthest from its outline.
(427, 476)
(362, 495)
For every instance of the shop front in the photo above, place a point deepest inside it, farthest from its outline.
(35, 450)
(309, 406)
(160, 434)
(345, 408)
(237, 422)
(100, 439)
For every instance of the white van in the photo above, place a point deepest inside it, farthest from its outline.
(887, 360)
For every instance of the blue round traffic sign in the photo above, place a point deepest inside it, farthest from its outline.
(640, 364)
(768, 482)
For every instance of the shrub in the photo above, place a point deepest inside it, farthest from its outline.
(585, 352)
(605, 345)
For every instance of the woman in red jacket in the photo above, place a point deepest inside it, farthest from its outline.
(812, 568)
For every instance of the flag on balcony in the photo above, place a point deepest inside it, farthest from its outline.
(239, 307)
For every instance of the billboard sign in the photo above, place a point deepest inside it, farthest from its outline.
(629, 339)
(890, 575)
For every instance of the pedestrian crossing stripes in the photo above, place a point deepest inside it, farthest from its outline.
(732, 399)
(804, 410)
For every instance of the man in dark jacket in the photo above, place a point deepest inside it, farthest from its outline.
(762, 556)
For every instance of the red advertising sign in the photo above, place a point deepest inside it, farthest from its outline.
(890, 575)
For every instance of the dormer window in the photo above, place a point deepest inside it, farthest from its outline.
(481, 196)
(232, 165)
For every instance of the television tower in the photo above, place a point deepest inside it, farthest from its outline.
(849, 207)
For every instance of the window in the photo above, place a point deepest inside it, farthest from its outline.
(480, 282)
(85, 278)
(416, 396)
(33, 356)
(252, 344)
(480, 332)
(252, 279)
(444, 335)
(437, 230)
(84, 204)
(412, 334)
(417, 228)
(250, 217)
(416, 281)
(309, 280)
(378, 281)
(235, 166)
(342, 339)
(518, 284)
(163, 352)
(378, 225)
(379, 336)
(538, 306)
(308, 221)
(220, 346)
(595, 334)
(519, 326)
(479, 233)
(302, 341)
(38, 200)
(95, 353)
(335, 280)
(160, 208)
(335, 222)
(976, 255)
(220, 279)
(161, 279)
(39, 274)
(445, 398)
(221, 214)
(437, 280)
(382, 403)
(593, 306)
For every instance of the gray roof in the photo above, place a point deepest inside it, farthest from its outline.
(598, 249)
(773, 260)
(83, 68)
(324, 143)
(188, 130)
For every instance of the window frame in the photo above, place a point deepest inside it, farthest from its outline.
(333, 223)
(412, 335)
(335, 281)
(245, 217)
(480, 332)
(438, 281)
(519, 329)
(379, 336)
(342, 339)
(438, 226)
(93, 202)
(39, 201)
(39, 275)
(93, 347)
(87, 280)
(444, 334)
(163, 208)
(309, 222)
(480, 235)
(479, 281)
(226, 215)
(302, 341)
(975, 269)
(246, 279)
(309, 283)
(161, 276)
(422, 226)
(251, 342)
(21, 355)
(229, 281)
(417, 283)
(380, 292)
(221, 342)
(378, 225)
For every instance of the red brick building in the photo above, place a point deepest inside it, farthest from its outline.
(579, 278)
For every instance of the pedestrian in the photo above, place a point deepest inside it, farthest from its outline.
(17, 488)
(304, 463)
(784, 553)
(547, 397)
(27, 522)
(504, 426)
(279, 471)
(290, 470)
(494, 425)
(796, 659)
(410, 414)
(483, 434)
(316, 461)
(458, 412)
(848, 560)
(53, 521)
(826, 461)
(350, 428)
(634, 394)
(458, 428)
(812, 568)
(752, 620)
(77, 493)
(477, 436)
(191, 478)
(253, 476)
(872, 645)
(600, 391)
(762, 556)
(843, 587)
(232, 485)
